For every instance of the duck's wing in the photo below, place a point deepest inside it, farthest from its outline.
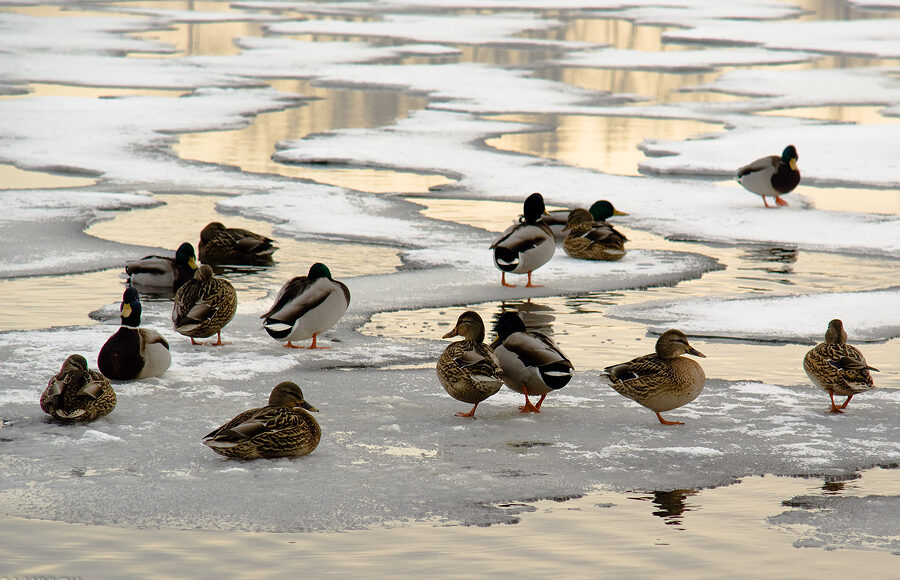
(768, 163)
(534, 349)
(476, 358)
(249, 242)
(297, 297)
(639, 368)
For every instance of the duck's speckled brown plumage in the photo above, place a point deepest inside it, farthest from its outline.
(587, 239)
(838, 368)
(661, 381)
(468, 369)
(283, 428)
(204, 305)
(78, 394)
(221, 245)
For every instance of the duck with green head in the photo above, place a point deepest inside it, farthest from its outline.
(133, 352)
(307, 306)
(771, 176)
(162, 274)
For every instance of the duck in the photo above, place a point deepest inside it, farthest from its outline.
(307, 306)
(838, 368)
(557, 219)
(468, 369)
(283, 428)
(661, 381)
(532, 363)
(204, 305)
(132, 352)
(78, 394)
(161, 274)
(526, 246)
(587, 239)
(222, 245)
(771, 176)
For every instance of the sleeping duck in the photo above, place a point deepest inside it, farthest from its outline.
(838, 368)
(162, 274)
(526, 246)
(772, 175)
(532, 363)
(221, 245)
(468, 369)
(557, 219)
(587, 239)
(133, 352)
(283, 428)
(661, 381)
(204, 305)
(78, 394)
(306, 306)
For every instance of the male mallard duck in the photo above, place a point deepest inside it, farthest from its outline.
(527, 245)
(532, 363)
(307, 306)
(204, 306)
(468, 369)
(160, 273)
(661, 381)
(837, 367)
(78, 394)
(221, 245)
(557, 219)
(133, 352)
(587, 239)
(283, 428)
(771, 175)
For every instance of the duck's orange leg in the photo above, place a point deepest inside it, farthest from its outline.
(469, 414)
(766, 202)
(528, 407)
(291, 345)
(313, 345)
(847, 402)
(538, 406)
(194, 342)
(530, 285)
(665, 422)
(503, 280)
(780, 201)
(219, 341)
(834, 408)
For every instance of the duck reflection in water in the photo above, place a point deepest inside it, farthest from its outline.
(671, 504)
(774, 260)
(536, 316)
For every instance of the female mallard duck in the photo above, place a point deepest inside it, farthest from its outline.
(587, 239)
(557, 219)
(204, 306)
(307, 306)
(661, 381)
(532, 363)
(221, 245)
(468, 369)
(771, 175)
(283, 428)
(77, 394)
(527, 245)
(837, 367)
(133, 352)
(155, 274)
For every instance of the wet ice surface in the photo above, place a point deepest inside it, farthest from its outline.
(144, 465)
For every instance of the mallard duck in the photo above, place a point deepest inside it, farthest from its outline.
(77, 394)
(133, 352)
(283, 428)
(204, 306)
(661, 381)
(468, 369)
(771, 175)
(153, 274)
(837, 367)
(587, 239)
(532, 363)
(527, 245)
(221, 245)
(307, 306)
(557, 219)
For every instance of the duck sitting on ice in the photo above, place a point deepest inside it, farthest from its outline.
(133, 352)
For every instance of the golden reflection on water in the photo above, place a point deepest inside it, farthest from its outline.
(11, 177)
(56, 90)
(251, 148)
(608, 144)
(201, 38)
